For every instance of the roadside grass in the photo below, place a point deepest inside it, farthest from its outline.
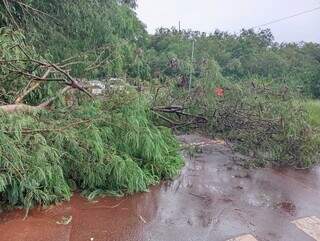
(313, 109)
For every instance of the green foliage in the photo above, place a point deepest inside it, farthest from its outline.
(117, 45)
(103, 147)
(31, 170)
(270, 123)
(104, 37)
(267, 123)
(14, 63)
(313, 108)
(239, 57)
(9, 85)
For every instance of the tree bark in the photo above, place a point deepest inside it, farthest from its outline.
(20, 108)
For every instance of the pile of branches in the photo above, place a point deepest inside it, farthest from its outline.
(268, 122)
(174, 107)
(177, 117)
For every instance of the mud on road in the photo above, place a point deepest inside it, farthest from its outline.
(213, 199)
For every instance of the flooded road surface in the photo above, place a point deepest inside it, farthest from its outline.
(213, 199)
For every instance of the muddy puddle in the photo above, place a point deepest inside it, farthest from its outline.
(213, 199)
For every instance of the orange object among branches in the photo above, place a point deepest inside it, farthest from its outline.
(219, 91)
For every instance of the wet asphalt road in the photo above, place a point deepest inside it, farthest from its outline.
(213, 199)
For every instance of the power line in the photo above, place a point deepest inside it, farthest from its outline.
(288, 17)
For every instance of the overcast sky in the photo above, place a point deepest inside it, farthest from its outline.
(233, 15)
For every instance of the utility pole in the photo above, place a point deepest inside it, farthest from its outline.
(179, 27)
(191, 68)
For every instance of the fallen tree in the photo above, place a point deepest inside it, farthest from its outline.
(99, 146)
(269, 123)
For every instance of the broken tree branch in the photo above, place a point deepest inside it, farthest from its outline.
(178, 110)
(34, 86)
(20, 108)
(36, 81)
